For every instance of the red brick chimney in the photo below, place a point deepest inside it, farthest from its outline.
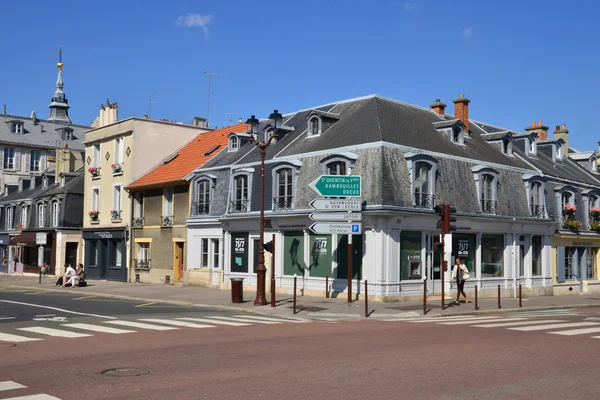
(562, 132)
(541, 130)
(438, 107)
(461, 110)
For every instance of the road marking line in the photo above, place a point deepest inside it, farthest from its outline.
(56, 309)
(440, 319)
(34, 397)
(554, 326)
(10, 385)
(214, 322)
(3, 318)
(85, 297)
(480, 321)
(45, 315)
(577, 331)
(7, 337)
(242, 320)
(53, 332)
(176, 323)
(98, 328)
(147, 304)
(529, 322)
(140, 325)
(257, 318)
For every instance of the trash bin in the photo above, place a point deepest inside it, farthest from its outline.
(237, 290)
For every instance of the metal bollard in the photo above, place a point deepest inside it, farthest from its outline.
(294, 294)
(499, 304)
(520, 297)
(476, 300)
(424, 296)
(366, 299)
(327, 287)
(40, 281)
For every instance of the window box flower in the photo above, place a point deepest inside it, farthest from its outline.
(117, 168)
(595, 213)
(595, 226)
(94, 171)
(569, 209)
(573, 225)
(94, 215)
(20, 226)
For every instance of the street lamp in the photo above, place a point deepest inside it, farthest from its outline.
(276, 121)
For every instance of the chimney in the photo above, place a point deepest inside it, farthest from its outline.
(5, 109)
(438, 107)
(199, 122)
(540, 129)
(561, 132)
(240, 121)
(461, 110)
(146, 116)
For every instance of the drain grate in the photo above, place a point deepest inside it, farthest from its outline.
(126, 372)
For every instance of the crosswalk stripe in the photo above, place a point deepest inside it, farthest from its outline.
(480, 321)
(140, 325)
(554, 326)
(7, 337)
(34, 397)
(442, 319)
(577, 331)
(10, 385)
(97, 328)
(53, 332)
(176, 323)
(528, 322)
(242, 320)
(258, 318)
(214, 321)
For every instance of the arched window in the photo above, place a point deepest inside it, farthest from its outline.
(488, 194)
(566, 199)
(23, 216)
(41, 215)
(240, 194)
(234, 143)
(269, 134)
(202, 205)
(314, 126)
(531, 146)
(9, 217)
(336, 168)
(536, 200)
(285, 189)
(55, 212)
(422, 185)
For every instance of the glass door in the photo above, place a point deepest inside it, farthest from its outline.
(433, 267)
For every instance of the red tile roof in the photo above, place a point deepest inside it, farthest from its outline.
(188, 158)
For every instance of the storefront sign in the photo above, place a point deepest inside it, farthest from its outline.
(41, 238)
(575, 244)
(239, 252)
(463, 248)
(120, 234)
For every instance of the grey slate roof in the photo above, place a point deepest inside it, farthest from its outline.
(43, 133)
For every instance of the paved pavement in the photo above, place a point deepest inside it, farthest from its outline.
(307, 307)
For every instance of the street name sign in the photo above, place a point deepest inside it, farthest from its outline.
(325, 228)
(337, 185)
(335, 217)
(336, 204)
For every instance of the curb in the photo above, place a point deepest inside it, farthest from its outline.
(509, 310)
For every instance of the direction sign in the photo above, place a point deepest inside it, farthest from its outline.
(336, 204)
(337, 185)
(324, 228)
(334, 217)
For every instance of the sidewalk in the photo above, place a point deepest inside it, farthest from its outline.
(307, 307)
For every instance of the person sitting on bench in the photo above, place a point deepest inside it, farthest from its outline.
(69, 272)
(74, 280)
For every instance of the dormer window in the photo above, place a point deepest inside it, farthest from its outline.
(594, 164)
(507, 147)
(17, 127)
(62, 181)
(458, 135)
(486, 182)
(531, 148)
(269, 134)
(314, 126)
(558, 152)
(234, 143)
(67, 134)
(45, 182)
(535, 188)
(422, 169)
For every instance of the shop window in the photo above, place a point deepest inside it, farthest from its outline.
(492, 256)
(410, 255)
(293, 253)
(204, 251)
(591, 264)
(463, 247)
(215, 253)
(570, 257)
(320, 258)
(536, 255)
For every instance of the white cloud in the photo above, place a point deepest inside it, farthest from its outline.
(468, 31)
(192, 20)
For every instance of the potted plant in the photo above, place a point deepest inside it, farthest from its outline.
(573, 225)
(569, 209)
(115, 214)
(117, 168)
(20, 226)
(94, 215)
(94, 171)
(595, 226)
(595, 213)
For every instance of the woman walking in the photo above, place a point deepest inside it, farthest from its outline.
(460, 273)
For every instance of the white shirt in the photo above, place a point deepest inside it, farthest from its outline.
(70, 271)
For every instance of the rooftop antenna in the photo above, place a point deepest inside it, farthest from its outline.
(210, 75)
(230, 116)
(150, 102)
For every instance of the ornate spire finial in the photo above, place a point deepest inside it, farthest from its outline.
(59, 106)
(60, 63)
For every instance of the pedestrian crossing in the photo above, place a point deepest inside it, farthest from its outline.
(521, 323)
(10, 386)
(122, 326)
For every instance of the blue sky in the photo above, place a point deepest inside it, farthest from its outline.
(518, 61)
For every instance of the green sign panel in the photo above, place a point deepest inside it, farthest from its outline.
(337, 186)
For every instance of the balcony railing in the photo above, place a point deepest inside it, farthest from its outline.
(138, 222)
(115, 215)
(142, 264)
(166, 221)
(200, 208)
(239, 206)
(489, 206)
(538, 211)
(424, 200)
(283, 203)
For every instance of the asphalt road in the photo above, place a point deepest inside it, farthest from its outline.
(494, 357)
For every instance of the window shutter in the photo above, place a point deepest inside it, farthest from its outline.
(17, 159)
(28, 160)
(560, 264)
(43, 161)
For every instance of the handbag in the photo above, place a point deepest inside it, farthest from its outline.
(465, 275)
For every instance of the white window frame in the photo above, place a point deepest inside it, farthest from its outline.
(9, 217)
(234, 143)
(138, 205)
(507, 146)
(55, 212)
(95, 206)
(412, 162)
(248, 173)
(41, 210)
(530, 181)
(96, 155)
(210, 181)
(119, 150)
(591, 199)
(143, 252)
(558, 152)
(309, 127)
(35, 161)
(479, 174)
(7, 164)
(117, 197)
(269, 132)
(346, 157)
(531, 146)
(215, 253)
(457, 135)
(168, 195)
(24, 215)
(294, 170)
(17, 128)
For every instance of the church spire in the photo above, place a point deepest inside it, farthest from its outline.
(59, 107)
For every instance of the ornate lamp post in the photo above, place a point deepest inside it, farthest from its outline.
(276, 121)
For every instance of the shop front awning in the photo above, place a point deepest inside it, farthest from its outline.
(29, 239)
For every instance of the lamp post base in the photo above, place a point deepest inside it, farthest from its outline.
(261, 299)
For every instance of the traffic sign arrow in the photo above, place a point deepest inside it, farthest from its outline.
(325, 228)
(336, 204)
(342, 217)
(337, 185)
